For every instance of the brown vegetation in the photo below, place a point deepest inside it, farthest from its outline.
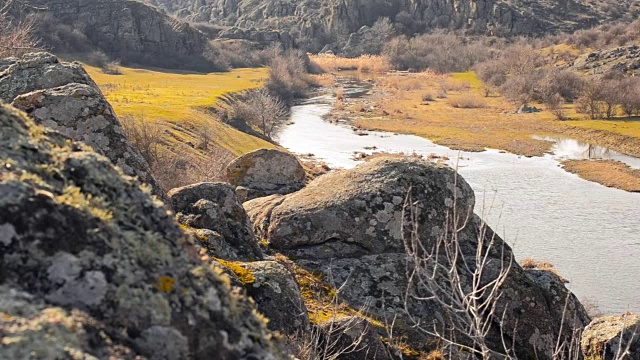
(365, 63)
(606, 172)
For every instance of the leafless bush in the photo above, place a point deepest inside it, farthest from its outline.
(429, 96)
(564, 83)
(519, 89)
(145, 136)
(555, 104)
(16, 36)
(262, 109)
(439, 269)
(288, 77)
(630, 96)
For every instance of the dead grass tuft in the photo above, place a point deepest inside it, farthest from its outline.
(364, 63)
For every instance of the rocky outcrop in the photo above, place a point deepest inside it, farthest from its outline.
(263, 38)
(317, 21)
(63, 97)
(351, 226)
(224, 227)
(625, 60)
(78, 234)
(131, 31)
(266, 172)
(277, 296)
(609, 337)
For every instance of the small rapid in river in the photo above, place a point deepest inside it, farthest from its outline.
(590, 233)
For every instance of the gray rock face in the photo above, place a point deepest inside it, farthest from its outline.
(263, 38)
(62, 97)
(128, 30)
(349, 225)
(610, 336)
(277, 296)
(311, 18)
(215, 207)
(624, 60)
(78, 233)
(266, 172)
(39, 71)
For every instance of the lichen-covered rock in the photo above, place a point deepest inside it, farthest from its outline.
(80, 112)
(29, 329)
(62, 97)
(358, 212)
(266, 172)
(79, 234)
(39, 71)
(349, 225)
(214, 206)
(277, 296)
(609, 337)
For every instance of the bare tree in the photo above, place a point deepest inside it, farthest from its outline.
(590, 101)
(17, 36)
(262, 109)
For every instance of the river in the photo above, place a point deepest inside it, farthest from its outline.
(590, 233)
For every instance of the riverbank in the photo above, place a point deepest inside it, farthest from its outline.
(606, 172)
(454, 111)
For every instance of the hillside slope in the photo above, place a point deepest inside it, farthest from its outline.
(316, 19)
(130, 31)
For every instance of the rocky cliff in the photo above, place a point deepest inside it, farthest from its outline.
(312, 18)
(128, 30)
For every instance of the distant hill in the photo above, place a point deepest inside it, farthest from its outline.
(319, 23)
(130, 31)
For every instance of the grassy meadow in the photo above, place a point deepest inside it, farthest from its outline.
(179, 102)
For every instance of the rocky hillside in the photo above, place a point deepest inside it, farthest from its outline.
(128, 30)
(322, 20)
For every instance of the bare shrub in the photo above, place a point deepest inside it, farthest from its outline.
(17, 37)
(555, 104)
(630, 96)
(262, 109)
(364, 63)
(429, 96)
(519, 89)
(567, 84)
(288, 77)
(145, 136)
(467, 102)
(112, 68)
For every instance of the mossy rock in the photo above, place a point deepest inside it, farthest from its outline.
(79, 234)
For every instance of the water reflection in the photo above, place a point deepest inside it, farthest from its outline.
(569, 149)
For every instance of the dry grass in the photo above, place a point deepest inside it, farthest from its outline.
(467, 102)
(365, 63)
(179, 101)
(606, 172)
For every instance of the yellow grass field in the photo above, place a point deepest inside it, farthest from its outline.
(180, 99)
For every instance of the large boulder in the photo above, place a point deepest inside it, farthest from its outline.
(352, 226)
(62, 96)
(609, 337)
(215, 207)
(78, 234)
(266, 172)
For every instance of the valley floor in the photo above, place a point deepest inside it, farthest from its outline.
(453, 110)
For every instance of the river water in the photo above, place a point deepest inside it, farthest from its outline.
(591, 233)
